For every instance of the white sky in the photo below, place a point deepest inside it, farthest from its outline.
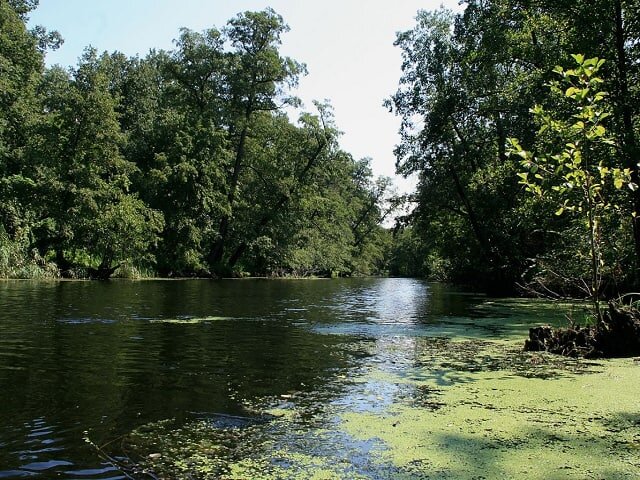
(346, 44)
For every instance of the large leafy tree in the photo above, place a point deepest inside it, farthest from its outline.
(186, 155)
(452, 139)
(82, 178)
(259, 78)
(21, 65)
(185, 152)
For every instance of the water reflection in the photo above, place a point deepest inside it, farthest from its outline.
(105, 357)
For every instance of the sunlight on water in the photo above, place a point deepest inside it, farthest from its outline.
(101, 359)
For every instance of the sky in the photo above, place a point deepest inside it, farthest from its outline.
(347, 46)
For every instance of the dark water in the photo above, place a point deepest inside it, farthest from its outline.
(100, 359)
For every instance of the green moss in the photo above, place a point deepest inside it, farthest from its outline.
(190, 320)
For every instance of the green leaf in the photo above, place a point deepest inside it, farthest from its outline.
(579, 58)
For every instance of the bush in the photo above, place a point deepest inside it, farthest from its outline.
(18, 261)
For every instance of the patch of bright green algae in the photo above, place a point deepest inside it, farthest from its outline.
(262, 451)
(529, 416)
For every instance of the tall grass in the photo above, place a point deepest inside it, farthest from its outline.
(18, 261)
(132, 272)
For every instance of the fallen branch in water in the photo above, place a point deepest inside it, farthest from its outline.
(126, 468)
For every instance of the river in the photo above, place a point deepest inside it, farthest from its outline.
(83, 364)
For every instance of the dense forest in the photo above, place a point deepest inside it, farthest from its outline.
(181, 163)
(482, 94)
(186, 162)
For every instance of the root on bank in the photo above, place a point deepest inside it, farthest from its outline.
(616, 335)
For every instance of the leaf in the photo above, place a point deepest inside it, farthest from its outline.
(590, 62)
(579, 58)
(560, 211)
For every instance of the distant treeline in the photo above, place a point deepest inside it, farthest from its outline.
(184, 162)
(180, 163)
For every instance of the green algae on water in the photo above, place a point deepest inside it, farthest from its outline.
(190, 320)
(463, 402)
(498, 423)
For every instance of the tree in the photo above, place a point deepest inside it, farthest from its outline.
(82, 178)
(450, 137)
(257, 82)
(575, 165)
(467, 85)
(184, 155)
(21, 65)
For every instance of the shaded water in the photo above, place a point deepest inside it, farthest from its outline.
(100, 359)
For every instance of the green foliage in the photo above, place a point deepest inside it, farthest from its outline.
(20, 66)
(410, 257)
(17, 261)
(182, 161)
(579, 176)
(467, 85)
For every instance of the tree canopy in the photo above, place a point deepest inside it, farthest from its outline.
(470, 82)
(184, 162)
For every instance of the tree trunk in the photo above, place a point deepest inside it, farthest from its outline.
(629, 145)
(215, 257)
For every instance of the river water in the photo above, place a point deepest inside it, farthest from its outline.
(98, 359)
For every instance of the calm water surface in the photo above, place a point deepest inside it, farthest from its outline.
(106, 357)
